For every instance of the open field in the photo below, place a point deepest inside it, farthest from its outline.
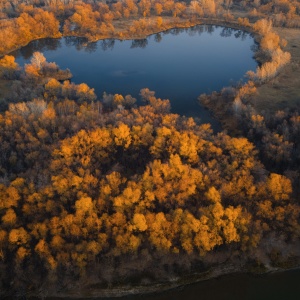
(284, 90)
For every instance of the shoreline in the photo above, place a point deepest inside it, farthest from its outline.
(181, 23)
(157, 288)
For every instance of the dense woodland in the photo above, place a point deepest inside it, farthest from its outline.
(95, 189)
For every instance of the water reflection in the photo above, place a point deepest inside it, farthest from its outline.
(81, 43)
(107, 44)
(157, 37)
(38, 45)
(77, 42)
(141, 43)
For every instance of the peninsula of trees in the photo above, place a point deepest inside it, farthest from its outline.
(99, 192)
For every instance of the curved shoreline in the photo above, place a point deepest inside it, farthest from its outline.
(183, 23)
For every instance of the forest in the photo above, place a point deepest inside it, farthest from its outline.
(97, 191)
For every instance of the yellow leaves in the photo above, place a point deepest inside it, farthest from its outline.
(207, 237)
(122, 135)
(10, 217)
(158, 8)
(159, 231)
(119, 220)
(84, 205)
(42, 247)
(213, 195)
(187, 245)
(142, 135)
(230, 233)
(21, 254)
(126, 243)
(31, 70)
(90, 149)
(217, 211)
(130, 195)
(139, 222)
(106, 190)
(43, 251)
(83, 88)
(110, 186)
(52, 84)
(265, 209)
(8, 61)
(159, 21)
(118, 100)
(39, 230)
(240, 146)
(85, 93)
(18, 236)
(3, 236)
(270, 41)
(60, 184)
(8, 67)
(189, 147)
(93, 247)
(172, 182)
(134, 242)
(9, 198)
(18, 182)
(279, 187)
(184, 143)
(263, 26)
(57, 242)
(55, 226)
(76, 181)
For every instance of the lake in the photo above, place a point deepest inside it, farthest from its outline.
(178, 64)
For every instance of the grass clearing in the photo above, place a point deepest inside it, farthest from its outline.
(284, 90)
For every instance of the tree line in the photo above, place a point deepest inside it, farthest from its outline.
(96, 189)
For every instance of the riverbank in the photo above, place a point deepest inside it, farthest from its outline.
(221, 271)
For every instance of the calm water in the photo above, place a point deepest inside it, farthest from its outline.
(273, 286)
(179, 64)
(277, 286)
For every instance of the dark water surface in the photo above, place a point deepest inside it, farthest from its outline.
(273, 286)
(179, 64)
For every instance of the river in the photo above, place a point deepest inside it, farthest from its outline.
(282, 285)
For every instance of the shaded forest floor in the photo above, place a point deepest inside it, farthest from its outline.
(5, 86)
(284, 90)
